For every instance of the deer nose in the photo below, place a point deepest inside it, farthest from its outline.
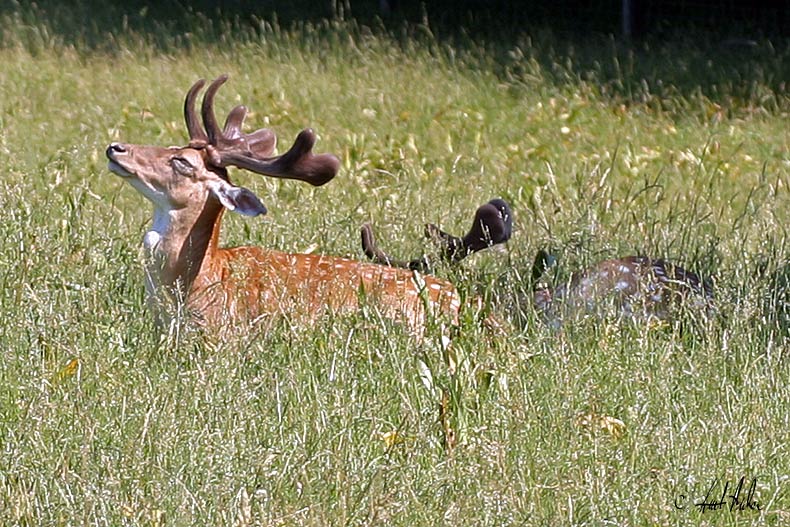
(116, 148)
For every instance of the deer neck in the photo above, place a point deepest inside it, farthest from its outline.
(180, 244)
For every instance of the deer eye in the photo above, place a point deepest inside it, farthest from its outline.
(182, 166)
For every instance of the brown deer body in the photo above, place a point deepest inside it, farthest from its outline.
(186, 268)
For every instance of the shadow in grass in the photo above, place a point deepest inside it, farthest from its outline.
(165, 25)
(732, 65)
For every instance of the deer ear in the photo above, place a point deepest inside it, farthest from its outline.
(238, 199)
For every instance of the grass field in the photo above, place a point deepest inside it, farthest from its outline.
(678, 149)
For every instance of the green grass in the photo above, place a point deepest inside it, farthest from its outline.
(676, 149)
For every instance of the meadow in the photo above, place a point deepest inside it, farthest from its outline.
(678, 148)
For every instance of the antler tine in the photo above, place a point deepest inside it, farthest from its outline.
(195, 129)
(260, 143)
(492, 225)
(378, 256)
(207, 110)
(234, 122)
(372, 250)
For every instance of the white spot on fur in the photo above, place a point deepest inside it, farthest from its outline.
(622, 285)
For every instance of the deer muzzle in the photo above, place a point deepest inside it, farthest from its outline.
(115, 153)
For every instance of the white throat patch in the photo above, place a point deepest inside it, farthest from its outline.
(158, 229)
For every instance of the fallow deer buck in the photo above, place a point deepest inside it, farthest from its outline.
(634, 287)
(190, 189)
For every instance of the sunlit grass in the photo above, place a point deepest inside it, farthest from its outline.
(352, 422)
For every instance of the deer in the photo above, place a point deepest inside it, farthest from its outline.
(637, 287)
(188, 272)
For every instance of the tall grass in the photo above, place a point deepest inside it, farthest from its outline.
(668, 149)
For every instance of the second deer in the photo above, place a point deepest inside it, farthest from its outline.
(633, 287)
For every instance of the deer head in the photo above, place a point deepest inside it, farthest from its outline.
(180, 177)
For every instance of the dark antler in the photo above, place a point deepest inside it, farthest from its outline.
(232, 147)
(195, 129)
(231, 138)
(493, 224)
(297, 163)
(378, 256)
(543, 261)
